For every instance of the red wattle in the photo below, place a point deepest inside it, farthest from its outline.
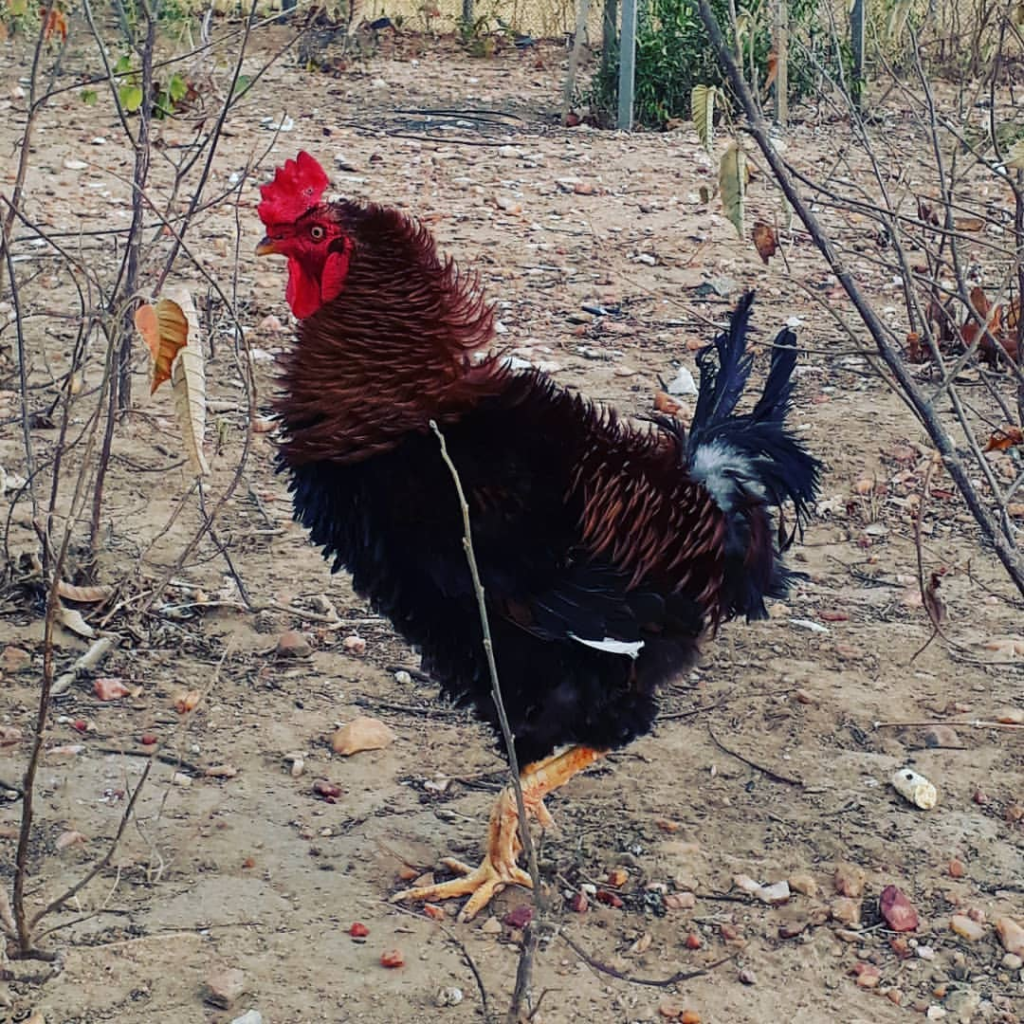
(303, 292)
(333, 278)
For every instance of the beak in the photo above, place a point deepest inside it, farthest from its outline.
(266, 247)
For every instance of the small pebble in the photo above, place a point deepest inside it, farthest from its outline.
(680, 901)
(403, 678)
(804, 884)
(492, 926)
(777, 892)
(448, 996)
(354, 645)
(223, 987)
(868, 975)
(1012, 962)
(926, 952)
(292, 644)
(845, 910)
(1011, 935)
(897, 910)
(849, 880)
(966, 928)
(249, 1017)
(746, 883)
(935, 1013)
(747, 977)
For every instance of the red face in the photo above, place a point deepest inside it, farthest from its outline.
(318, 254)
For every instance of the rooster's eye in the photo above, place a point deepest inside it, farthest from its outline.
(316, 232)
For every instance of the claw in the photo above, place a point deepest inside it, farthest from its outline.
(499, 868)
(481, 884)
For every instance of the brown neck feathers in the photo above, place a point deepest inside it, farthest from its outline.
(393, 351)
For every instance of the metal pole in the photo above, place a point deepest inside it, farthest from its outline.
(782, 61)
(627, 64)
(857, 46)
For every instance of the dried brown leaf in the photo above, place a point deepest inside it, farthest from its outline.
(1004, 438)
(765, 242)
(164, 329)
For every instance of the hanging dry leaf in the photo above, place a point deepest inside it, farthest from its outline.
(765, 242)
(362, 733)
(915, 352)
(933, 601)
(999, 338)
(72, 619)
(165, 331)
(773, 69)
(702, 111)
(732, 180)
(1004, 438)
(188, 380)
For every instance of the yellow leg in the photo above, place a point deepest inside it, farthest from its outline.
(499, 867)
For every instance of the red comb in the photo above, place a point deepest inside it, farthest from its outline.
(296, 187)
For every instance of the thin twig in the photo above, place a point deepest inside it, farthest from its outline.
(775, 776)
(976, 723)
(673, 979)
(532, 931)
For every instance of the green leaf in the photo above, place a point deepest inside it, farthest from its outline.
(123, 65)
(88, 97)
(131, 97)
(177, 88)
(702, 110)
(1015, 158)
(732, 175)
(241, 84)
(17, 8)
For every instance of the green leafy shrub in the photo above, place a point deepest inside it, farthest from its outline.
(673, 55)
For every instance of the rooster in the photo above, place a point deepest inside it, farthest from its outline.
(606, 550)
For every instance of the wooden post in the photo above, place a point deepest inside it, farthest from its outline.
(627, 64)
(582, 10)
(857, 46)
(781, 61)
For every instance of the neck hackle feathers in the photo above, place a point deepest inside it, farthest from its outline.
(296, 188)
(397, 346)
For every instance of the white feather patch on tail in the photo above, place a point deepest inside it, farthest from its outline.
(726, 472)
(612, 646)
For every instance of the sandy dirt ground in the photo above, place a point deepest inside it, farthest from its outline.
(772, 758)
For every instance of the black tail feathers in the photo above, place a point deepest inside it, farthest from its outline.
(751, 462)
